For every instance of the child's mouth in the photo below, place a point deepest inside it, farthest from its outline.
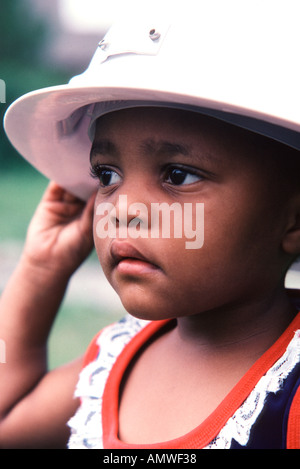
(128, 260)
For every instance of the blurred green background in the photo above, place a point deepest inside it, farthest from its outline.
(90, 303)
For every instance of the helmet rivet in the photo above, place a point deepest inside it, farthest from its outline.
(154, 35)
(102, 44)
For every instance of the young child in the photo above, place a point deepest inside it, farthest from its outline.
(208, 355)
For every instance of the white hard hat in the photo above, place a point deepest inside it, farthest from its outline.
(235, 60)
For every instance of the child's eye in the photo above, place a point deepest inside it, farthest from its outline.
(106, 176)
(179, 176)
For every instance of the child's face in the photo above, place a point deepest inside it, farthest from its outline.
(159, 155)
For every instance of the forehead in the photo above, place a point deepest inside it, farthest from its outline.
(159, 132)
(160, 119)
(191, 132)
(182, 124)
(167, 132)
(171, 130)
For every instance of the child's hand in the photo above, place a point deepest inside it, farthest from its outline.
(60, 235)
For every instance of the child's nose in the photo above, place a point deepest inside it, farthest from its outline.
(128, 209)
(133, 204)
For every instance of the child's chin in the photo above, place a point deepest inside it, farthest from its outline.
(145, 314)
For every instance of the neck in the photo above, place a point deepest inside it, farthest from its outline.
(250, 328)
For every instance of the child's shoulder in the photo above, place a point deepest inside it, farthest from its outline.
(113, 337)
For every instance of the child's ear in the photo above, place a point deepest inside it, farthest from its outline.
(291, 239)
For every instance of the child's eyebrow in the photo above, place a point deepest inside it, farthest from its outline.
(148, 147)
(103, 147)
(170, 149)
(164, 148)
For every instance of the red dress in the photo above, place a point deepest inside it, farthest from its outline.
(261, 412)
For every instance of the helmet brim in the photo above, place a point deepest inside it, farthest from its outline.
(49, 127)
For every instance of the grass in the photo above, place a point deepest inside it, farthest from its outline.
(73, 330)
(76, 323)
(20, 192)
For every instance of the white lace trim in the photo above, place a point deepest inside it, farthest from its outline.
(238, 427)
(86, 429)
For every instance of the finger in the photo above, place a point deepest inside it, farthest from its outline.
(88, 214)
(53, 192)
(56, 193)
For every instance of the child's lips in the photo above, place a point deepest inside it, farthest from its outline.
(128, 260)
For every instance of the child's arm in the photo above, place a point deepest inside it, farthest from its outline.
(35, 404)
